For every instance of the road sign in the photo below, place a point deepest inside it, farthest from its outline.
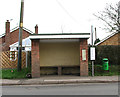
(92, 53)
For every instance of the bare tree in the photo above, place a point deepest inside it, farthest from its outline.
(110, 17)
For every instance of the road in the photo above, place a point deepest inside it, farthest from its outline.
(69, 89)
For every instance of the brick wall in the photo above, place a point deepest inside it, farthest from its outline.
(11, 38)
(83, 63)
(15, 35)
(36, 29)
(114, 40)
(35, 58)
(2, 40)
(7, 36)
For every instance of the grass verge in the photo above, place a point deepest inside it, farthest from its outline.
(14, 74)
(113, 70)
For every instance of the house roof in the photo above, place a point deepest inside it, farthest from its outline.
(60, 36)
(109, 36)
(16, 29)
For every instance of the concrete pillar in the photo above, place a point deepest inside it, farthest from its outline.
(35, 58)
(83, 57)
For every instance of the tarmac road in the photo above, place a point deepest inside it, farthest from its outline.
(68, 89)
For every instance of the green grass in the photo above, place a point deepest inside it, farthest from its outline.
(14, 74)
(113, 70)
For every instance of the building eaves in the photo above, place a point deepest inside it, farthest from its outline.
(60, 36)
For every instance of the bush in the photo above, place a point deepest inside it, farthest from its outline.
(110, 52)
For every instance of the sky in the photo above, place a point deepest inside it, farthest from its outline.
(55, 16)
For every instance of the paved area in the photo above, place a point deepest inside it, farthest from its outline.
(59, 80)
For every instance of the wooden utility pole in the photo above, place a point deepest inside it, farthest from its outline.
(20, 37)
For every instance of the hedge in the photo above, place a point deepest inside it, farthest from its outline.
(111, 52)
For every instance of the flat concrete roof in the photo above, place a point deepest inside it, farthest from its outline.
(60, 36)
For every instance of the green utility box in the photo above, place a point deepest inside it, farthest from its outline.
(105, 64)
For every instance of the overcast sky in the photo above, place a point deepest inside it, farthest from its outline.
(55, 16)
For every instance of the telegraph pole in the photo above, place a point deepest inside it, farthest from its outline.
(20, 37)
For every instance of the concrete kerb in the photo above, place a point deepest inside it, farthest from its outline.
(44, 81)
(62, 82)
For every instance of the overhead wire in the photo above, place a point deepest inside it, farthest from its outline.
(65, 10)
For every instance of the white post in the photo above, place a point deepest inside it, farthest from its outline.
(26, 59)
(92, 46)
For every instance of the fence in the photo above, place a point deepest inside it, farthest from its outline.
(9, 59)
